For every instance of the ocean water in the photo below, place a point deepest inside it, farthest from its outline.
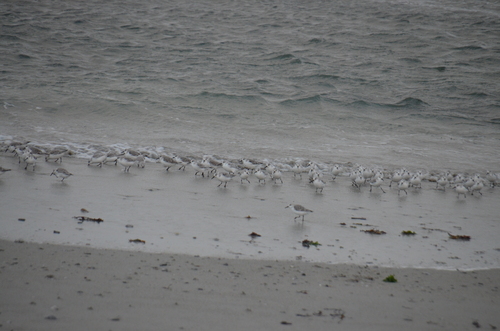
(411, 83)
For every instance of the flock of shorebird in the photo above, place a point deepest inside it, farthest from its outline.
(225, 171)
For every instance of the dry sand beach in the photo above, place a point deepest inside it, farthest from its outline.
(54, 287)
(198, 268)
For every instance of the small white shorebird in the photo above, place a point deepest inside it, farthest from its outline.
(182, 161)
(56, 155)
(131, 154)
(229, 168)
(30, 160)
(396, 178)
(337, 170)
(460, 189)
(261, 175)
(244, 175)
(403, 185)
(358, 181)
(168, 162)
(299, 210)
(442, 182)
(377, 182)
(141, 161)
(416, 181)
(223, 177)
(319, 184)
(61, 173)
(198, 168)
(98, 158)
(297, 169)
(250, 164)
(126, 162)
(111, 157)
(492, 178)
(478, 186)
(276, 175)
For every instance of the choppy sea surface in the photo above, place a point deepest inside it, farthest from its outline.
(410, 83)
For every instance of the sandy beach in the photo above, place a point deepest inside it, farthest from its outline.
(195, 267)
(54, 287)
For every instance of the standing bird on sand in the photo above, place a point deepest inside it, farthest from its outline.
(61, 173)
(319, 184)
(126, 162)
(377, 182)
(460, 189)
(244, 175)
(299, 210)
(223, 177)
(261, 175)
(30, 160)
(403, 185)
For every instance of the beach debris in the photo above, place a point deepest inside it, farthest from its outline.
(343, 224)
(83, 210)
(56, 232)
(359, 218)
(21, 219)
(254, 235)
(51, 318)
(390, 279)
(137, 241)
(307, 243)
(129, 226)
(459, 237)
(248, 217)
(361, 224)
(336, 312)
(285, 323)
(408, 233)
(82, 219)
(373, 231)
(429, 229)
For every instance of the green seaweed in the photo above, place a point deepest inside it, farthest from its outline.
(307, 243)
(390, 279)
(408, 233)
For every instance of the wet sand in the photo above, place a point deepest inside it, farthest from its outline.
(178, 212)
(198, 268)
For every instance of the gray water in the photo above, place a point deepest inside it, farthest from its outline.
(388, 83)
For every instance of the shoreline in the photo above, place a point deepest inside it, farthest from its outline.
(180, 213)
(56, 287)
(198, 268)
